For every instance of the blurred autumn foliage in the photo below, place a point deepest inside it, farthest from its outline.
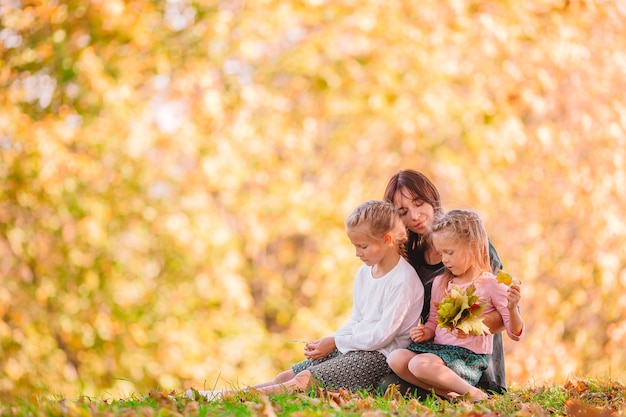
(176, 175)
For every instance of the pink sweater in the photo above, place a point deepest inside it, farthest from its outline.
(487, 289)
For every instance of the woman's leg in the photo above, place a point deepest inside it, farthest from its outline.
(430, 369)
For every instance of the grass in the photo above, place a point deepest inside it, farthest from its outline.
(583, 398)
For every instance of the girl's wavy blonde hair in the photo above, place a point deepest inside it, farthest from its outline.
(375, 218)
(468, 229)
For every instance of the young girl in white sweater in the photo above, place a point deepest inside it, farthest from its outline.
(388, 299)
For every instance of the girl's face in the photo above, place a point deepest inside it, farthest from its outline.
(370, 251)
(454, 255)
(417, 215)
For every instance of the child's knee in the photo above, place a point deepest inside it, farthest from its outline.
(393, 359)
(417, 364)
(424, 363)
(285, 376)
(303, 379)
(399, 358)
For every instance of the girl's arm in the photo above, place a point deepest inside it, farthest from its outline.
(494, 320)
(505, 299)
(397, 305)
(516, 322)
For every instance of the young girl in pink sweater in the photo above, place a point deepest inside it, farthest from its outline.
(447, 362)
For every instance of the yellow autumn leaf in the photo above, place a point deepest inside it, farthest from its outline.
(506, 278)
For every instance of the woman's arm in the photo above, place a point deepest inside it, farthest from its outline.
(494, 321)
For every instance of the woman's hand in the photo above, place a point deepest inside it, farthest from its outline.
(319, 349)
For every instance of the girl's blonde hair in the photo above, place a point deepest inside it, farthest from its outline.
(468, 229)
(375, 218)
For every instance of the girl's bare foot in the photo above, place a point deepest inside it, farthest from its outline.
(477, 394)
(211, 395)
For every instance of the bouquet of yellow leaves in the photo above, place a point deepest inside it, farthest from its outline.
(460, 310)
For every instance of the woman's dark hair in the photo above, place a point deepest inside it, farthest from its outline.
(415, 186)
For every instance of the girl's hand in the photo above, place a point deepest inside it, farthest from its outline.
(459, 334)
(420, 333)
(319, 348)
(309, 348)
(416, 333)
(513, 295)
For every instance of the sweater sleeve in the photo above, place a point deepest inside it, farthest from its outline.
(435, 297)
(399, 302)
(497, 292)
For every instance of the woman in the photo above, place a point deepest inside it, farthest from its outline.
(418, 202)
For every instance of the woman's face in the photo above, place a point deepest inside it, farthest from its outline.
(417, 215)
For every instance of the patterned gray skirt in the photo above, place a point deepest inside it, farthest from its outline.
(465, 363)
(353, 370)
